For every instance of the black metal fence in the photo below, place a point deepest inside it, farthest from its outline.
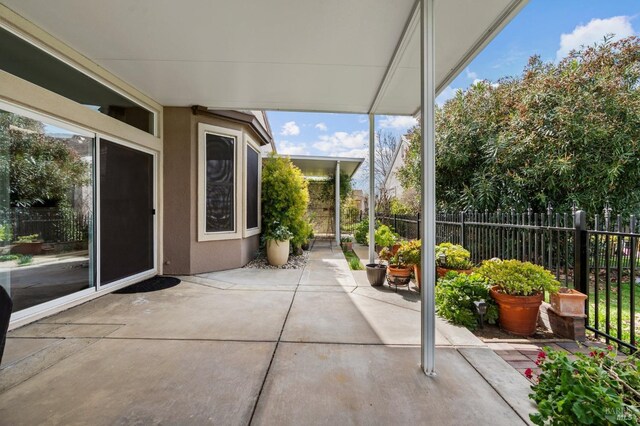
(599, 257)
(51, 225)
(349, 218)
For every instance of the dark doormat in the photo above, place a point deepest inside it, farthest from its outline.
(152, 284)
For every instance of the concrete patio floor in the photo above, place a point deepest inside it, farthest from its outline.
(274, 347)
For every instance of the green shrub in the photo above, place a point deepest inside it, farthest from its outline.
(27, 238)
(385, 237)
(453, 256)
(517, 278)
(6, 232)
(594, 389)
(24, 259)
(8, 257)
(361, 232)
(411, 252)
(285, 197)
(455, 294)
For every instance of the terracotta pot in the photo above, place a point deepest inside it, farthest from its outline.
(398, 275)
(568, 302)
(376, 274)
(443, 271)
(416, 272)
(277, 252)
(347, 246)
(518, 314)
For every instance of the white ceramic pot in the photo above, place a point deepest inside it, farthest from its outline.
(277, 252)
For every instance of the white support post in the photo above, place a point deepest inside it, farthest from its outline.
(337, 203)
(372, 189)
(428, 189)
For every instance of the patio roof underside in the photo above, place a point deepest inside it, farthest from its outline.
(356, 56)
(325, 167)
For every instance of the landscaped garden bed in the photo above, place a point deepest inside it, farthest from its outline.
(294, 262)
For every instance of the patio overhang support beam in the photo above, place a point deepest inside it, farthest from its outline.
(412, 22)
(372, 172)
(337, 203)
(428, 187)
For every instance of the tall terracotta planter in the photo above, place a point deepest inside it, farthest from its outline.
(518, 314)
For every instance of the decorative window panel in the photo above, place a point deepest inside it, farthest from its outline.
(253, 188)
(220, 214)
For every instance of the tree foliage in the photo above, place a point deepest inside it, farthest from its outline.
(285, 197)
(41, 169)
(559, 133)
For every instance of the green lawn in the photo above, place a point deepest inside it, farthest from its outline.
(613, 309)
(353, 260)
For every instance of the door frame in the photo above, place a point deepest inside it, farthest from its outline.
(144, 274)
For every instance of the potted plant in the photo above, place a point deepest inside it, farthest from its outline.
(568, 302)
(452, 257)
(346, 243)
(399, 271)
(385, 237)
(518, 289)
(277, 240)
(411, 252)
(377, 272)
(28, 245)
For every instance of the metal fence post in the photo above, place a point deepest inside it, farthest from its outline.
(581, 258)
(418, 224)
(462, 229)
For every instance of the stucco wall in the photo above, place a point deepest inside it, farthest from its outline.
(183, 253)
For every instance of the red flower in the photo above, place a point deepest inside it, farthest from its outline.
(609, 348)
(601, 354)
(592, 354)
(542, 355)
(528, 373)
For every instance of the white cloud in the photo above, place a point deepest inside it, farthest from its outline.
(594, 31)
(471, 75)
(355, 153)
(288, 148)
(290, 128)
(321, 126)
(398, 122)
(343, 143)
(446, 94)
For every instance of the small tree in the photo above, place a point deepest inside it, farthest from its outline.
(285, 197)
(41, 169)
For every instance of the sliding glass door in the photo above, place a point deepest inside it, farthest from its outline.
(126, 212)
(46, 208)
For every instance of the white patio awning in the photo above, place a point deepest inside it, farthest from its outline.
(325, 167)
(358, 56)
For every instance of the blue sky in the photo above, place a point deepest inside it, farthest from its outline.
(549, 28)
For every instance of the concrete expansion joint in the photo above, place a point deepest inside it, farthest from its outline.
(275, 349)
